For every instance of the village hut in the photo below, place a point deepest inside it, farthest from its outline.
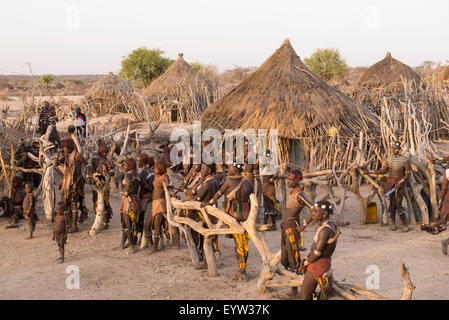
(108, 95)
(389, 87)
(388, 72)
(180, 94)
(314, 120)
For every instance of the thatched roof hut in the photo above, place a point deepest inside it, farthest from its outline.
(109, 94)
(284, 94)
(388, 71)
(180, 94)
(443, 76)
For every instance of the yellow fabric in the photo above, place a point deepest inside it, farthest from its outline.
(242, 248)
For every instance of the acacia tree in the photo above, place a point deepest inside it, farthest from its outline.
(144, 65)
(210, 71)
(46, 79)
(326, 63)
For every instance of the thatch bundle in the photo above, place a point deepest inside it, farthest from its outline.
(181, 93)
(390, 72)
(108, 95)
(284, 94)
(443, 76)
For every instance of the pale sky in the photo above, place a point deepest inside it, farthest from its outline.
(91, 36)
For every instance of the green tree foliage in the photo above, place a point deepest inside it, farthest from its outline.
(144, 65)
(326, 63)
(46, 79)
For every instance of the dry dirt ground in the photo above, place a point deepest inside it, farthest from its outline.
(29, 269)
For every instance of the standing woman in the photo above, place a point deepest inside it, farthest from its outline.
(399, 171)
(129, 208)
(159, 203)
(319, 260)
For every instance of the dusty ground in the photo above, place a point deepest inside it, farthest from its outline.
(29, 268)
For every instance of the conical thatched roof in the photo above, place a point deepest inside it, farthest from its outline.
(284, 94)
(444, 75)
(111, 86)
(179, 82)
(388, 71)
(109, 94)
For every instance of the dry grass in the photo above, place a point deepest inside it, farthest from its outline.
(388, 71)
(109, 95)
(182, 88)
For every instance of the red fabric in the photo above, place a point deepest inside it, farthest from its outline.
(129, 203)
(319, 267)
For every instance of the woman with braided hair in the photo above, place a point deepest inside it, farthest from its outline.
(399, 171)
(129, 208)
(237, 191)
(159, 204)
(72, 184)
(319, 260)
(146, 164)
(290, 235)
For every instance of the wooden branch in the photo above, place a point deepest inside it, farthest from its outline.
(409, 287)
(340, 290)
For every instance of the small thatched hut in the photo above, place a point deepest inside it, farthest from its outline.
(388, 71)
(313, 119)
(180, 94)
(109, 94)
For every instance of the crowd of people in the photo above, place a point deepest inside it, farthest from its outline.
(143, 203)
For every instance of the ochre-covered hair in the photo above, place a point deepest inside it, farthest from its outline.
(131, 163)
(102, 148)
(146, 159)
(161, 166)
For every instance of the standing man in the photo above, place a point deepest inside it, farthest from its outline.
(237, 190)
(71, 135)
(81, 122)
(398, 167)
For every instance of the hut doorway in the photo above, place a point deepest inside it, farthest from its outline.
(298, 153)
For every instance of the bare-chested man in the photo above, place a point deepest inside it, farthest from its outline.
(398, 167)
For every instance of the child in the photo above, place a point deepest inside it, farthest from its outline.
(29, 209)
(60, 228)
